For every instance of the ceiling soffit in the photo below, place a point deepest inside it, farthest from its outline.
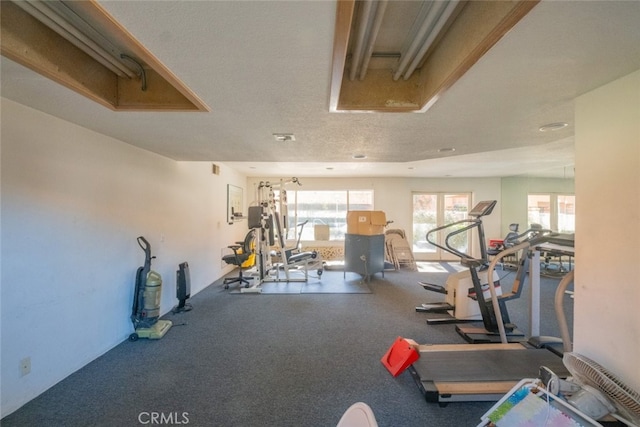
(144, 85)
(401, 56)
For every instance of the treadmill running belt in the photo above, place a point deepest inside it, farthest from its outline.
(486, 365)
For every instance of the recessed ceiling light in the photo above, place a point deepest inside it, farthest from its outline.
(553, 126)
(284, 137)
(446, 150)
(359, 156)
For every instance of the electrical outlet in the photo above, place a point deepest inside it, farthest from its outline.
(25, 366)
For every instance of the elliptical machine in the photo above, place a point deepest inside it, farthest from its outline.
(146, 300)
(479, 294)
(460, 288)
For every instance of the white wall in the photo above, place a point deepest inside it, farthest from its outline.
(394, 195)
(73, 203)
(607, 298)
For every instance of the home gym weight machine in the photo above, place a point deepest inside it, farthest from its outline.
(269, 216)
(290, 260)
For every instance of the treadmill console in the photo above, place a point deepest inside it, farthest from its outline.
(483, 208)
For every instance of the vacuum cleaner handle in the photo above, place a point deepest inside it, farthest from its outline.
(146, 247)
(144, 244)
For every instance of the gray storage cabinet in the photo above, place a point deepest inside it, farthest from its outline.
(364, 254)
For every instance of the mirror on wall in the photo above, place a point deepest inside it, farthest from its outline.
(234, 203)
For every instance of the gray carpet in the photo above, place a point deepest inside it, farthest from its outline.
(351, 283)
(331, 283)
(269, 360)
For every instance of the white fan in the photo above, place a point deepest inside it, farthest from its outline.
(599, 392)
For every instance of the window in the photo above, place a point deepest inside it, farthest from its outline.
(553, 211)
(566, 213)
(327, 207)
(539, 208)
(431, 210)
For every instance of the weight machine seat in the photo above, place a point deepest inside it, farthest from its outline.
(302, 256)
(292, 257)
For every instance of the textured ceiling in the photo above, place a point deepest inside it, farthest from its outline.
(264, 67)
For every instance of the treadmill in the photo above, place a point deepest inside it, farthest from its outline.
(478, 372)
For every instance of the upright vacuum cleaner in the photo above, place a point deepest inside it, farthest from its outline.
(146, 300)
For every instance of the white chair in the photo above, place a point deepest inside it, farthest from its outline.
(358, 415)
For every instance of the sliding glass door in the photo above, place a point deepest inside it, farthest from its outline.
(432, 210)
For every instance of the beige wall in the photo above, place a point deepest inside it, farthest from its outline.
(607, 296)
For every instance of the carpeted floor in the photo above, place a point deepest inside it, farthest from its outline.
(332, 283)
(272, 359)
